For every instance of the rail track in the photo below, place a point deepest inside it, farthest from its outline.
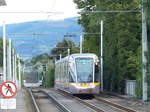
(126, 109)
(129, 104)
(43, 102)
(57, 100)
(70, 102)
(101, 105)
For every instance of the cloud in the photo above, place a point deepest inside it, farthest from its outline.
(67, 7)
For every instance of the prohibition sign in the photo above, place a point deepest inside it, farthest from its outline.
(8, 89)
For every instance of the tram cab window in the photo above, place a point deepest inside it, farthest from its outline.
(84, 68)
(96, 73)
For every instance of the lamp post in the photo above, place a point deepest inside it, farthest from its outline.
(81, 42)
(101, 56)
(144, 50)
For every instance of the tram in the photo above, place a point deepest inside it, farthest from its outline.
(78, 74)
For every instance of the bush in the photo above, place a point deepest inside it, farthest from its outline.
(49, 80)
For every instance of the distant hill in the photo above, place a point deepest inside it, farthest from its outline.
(45, 35)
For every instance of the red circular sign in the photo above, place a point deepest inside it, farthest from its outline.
(8, 89)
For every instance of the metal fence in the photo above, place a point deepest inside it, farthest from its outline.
(131, 87)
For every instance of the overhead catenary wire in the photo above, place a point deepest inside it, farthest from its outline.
(52, 7)
(40, 34)
(41, 47)
(31, 12)
(110, 11)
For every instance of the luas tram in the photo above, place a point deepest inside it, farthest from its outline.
(78, 74)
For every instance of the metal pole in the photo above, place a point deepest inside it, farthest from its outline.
(23, 72)
(38, 74)
(81, 39)
(68, 51)
(101, 56)
(10, 61)
(13, 64)
(19, 72)
(60, 56)
(144, 50)
(7, 62)
(4, 52)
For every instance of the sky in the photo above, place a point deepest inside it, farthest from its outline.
(62, 9)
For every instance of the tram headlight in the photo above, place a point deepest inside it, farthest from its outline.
(77, 86)
(92, 85)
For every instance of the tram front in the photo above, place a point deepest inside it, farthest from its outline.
(87, 76)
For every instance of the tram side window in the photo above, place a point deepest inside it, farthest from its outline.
(96, 73)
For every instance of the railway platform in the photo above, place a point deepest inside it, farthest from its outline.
(22, 102)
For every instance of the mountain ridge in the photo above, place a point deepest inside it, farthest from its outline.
(36, 37)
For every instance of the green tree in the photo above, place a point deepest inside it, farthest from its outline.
(62, 48)
(49, 80)
(122, 39)
(42, 58)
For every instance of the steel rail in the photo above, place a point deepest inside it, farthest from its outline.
(89, 105)
(93, 107)
(115, 105)
(58, 104)
(113, 94)
(34, 102)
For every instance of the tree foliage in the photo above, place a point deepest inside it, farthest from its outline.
(122, 39)
(50, 77)
(62, 48)
(47, 59)
(42, 58)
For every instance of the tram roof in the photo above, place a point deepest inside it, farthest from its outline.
(77, 55)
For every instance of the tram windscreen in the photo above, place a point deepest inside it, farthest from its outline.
(84, 70)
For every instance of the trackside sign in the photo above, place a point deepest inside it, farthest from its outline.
(8, 89)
